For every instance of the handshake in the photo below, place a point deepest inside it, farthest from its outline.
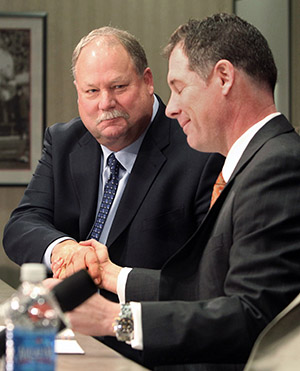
(70, 256)
(96, 315)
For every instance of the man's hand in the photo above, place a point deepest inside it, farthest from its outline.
(69, 257)
(51, 282)
(109, 271)
(94, 317)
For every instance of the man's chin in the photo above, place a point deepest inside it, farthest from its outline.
(114, 141)
(193, 144)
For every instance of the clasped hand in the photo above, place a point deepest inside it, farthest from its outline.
(70, 256)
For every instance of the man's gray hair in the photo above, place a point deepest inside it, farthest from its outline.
(114, 35)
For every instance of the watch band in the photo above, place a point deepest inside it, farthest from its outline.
(123, 325)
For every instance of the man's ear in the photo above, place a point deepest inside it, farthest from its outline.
(225, 72)
(148, 79)
(76, 87)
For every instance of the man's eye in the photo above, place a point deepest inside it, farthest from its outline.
(118, 87)
(91, 91)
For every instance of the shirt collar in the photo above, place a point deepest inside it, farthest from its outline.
(127, 155)
(238, 148)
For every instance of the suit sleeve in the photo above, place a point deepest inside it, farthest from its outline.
(30, 229)
(148, 291)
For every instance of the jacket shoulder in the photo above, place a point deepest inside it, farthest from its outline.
(73, 126)
(68, 135)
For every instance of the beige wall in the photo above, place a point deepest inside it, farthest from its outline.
(152, 21)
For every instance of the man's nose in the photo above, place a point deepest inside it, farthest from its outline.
(106, 100)
(172, 109)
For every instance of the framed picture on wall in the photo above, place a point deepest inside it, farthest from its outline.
(22, 94)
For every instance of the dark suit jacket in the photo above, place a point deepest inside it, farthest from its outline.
(239, 269)
(166, 197)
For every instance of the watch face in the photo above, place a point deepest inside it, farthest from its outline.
(123, 326)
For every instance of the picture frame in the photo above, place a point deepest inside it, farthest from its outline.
(22, 94)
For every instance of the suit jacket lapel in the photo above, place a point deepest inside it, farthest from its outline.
(276, 126)
(84, 164)
(146, 168)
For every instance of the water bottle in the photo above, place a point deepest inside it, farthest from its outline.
(32, 319)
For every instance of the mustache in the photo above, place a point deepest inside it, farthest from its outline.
(112, 115)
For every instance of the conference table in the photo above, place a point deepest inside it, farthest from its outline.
(97, 356)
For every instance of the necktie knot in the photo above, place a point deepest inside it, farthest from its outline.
(113, 165)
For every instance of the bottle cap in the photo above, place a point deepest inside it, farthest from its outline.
(33, 272)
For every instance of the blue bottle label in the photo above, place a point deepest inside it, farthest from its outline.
(34, 350)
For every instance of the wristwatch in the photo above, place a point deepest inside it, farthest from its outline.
(123, 325)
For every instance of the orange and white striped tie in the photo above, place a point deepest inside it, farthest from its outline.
(218, 188)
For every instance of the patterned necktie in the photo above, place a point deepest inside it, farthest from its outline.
(218, 188)
(110, 190)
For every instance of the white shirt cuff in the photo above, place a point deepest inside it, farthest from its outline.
(121, 284)
(136, 309)
(137, 341)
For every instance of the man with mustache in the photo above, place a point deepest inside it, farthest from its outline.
(162, 187)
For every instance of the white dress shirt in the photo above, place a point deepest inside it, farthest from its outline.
(233, 157)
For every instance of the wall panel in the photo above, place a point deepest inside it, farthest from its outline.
(295, 59)
(276, 12)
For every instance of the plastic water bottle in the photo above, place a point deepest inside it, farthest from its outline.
(32, 319)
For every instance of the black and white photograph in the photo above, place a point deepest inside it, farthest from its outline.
(22, 101)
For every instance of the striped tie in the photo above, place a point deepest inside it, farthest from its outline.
(110, 190)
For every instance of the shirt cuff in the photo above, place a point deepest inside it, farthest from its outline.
(121, 284)
(137, 341)
(136, 310)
